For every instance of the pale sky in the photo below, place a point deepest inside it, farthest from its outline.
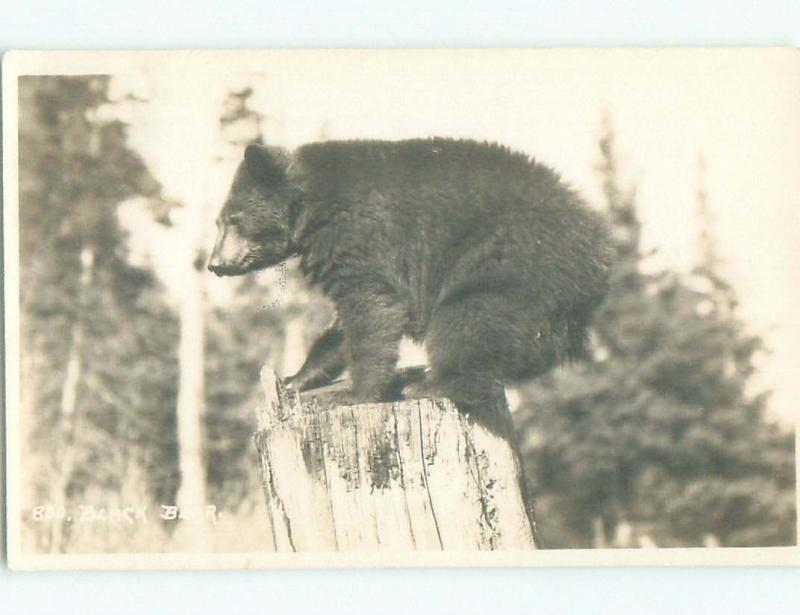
(738, 109)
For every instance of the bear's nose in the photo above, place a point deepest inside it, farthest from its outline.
(214, 267)
(214, 260)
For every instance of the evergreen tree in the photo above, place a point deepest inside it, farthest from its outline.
(658, 439)
(97, 365)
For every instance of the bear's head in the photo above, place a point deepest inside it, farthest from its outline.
(254, 224)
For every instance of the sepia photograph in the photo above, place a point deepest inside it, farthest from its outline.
(401, 307)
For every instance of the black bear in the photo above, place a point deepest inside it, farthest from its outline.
(480, 252)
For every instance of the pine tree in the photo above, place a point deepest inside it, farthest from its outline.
(96, 368)
(658, 438)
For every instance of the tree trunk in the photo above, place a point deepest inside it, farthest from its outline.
(191, 497)
(408, 475)
(63, 464)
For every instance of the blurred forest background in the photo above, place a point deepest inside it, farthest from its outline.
(135, 397)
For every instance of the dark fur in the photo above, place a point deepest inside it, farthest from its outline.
(480, 252)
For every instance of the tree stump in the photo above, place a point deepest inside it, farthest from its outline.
(407, 475)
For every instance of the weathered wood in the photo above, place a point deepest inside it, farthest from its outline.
(409, 475)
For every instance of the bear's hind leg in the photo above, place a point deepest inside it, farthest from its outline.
(479, 343)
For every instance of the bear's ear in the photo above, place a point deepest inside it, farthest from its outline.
(265, 162)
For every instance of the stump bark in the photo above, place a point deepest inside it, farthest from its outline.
(408, 475)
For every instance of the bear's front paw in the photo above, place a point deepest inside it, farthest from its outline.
(294, 383)
(338, 398)
(307, 380)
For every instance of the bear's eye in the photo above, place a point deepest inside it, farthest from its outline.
(235, 219)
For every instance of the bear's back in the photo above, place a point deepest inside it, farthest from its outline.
(333, 167)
